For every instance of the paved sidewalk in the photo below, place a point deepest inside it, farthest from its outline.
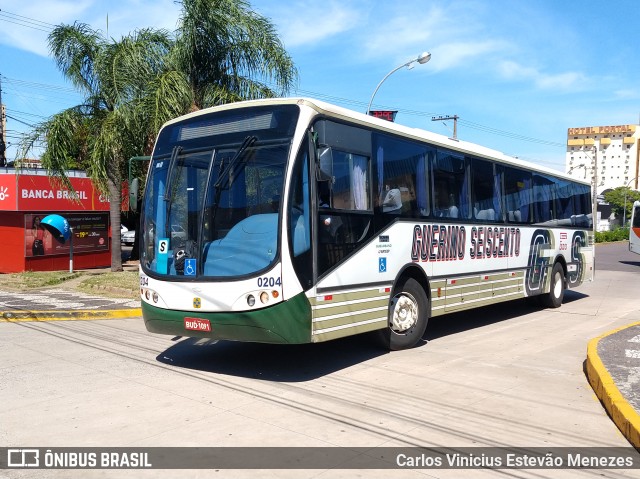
(62, 302)
(613, 369)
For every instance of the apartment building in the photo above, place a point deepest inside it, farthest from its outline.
(612, 151)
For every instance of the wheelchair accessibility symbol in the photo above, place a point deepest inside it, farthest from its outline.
(190, 267)
(382, 265)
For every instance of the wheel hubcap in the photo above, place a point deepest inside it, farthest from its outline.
(404, 312)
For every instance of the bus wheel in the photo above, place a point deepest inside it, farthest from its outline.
(553, 299)
(408, 315)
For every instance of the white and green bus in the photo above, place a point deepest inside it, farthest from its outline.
(634, 228)
(296, 221)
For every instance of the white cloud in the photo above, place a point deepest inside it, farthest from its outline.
(43, 15)
(451, 55)
(310, 23)
(124, 17)
(628, 94)
(511, 70)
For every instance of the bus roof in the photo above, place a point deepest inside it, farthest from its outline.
(384, 125)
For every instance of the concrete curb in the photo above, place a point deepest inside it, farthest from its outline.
(622, 413)
(80, 315)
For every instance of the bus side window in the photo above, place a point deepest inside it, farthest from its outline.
(486, 190)
(517, 190)
(451, 185)
(401, 177)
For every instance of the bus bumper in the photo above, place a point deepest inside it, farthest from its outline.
(288, 322)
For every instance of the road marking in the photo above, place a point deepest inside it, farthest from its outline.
(635, 339)
(631, 353)
(23, 316)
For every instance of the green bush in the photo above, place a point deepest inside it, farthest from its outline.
(618, 234)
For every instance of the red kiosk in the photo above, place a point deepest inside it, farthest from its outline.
(26, 197)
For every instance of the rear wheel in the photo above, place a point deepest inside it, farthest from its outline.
(408, 316)
(553, 299)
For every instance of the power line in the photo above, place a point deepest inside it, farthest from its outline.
(20, 121)
(26, 21)
(25, 113)
(36, 85)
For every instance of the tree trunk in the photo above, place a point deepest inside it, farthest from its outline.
(115, 204)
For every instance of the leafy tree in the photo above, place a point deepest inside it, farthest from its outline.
(616, 198)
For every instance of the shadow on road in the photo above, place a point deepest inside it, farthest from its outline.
(631, 263)
(455, 323)
(271, 362)
(304, 362)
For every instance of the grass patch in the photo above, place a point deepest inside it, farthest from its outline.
(124, 283)
(36, 279)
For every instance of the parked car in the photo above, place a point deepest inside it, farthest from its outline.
(128, 237)
(178, 233)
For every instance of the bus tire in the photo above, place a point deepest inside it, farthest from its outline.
(553, 299)
(408, 316)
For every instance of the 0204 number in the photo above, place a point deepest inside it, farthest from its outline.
(269, 282)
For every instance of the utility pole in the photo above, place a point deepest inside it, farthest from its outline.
(3, 130)
(455, 123)
(595, 190)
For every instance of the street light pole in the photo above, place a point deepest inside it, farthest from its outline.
(594, 206)
(578, 166)
(422, 59)
(595, 191)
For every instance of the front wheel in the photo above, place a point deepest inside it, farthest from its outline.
(408, 316)
(553, 299)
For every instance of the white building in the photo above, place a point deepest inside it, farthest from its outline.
(615, 150)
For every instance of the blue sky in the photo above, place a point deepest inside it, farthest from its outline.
(517, 73)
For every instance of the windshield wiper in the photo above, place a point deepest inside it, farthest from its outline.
(172, 163)
(223, 178)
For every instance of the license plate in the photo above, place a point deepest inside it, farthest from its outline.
(197, 324)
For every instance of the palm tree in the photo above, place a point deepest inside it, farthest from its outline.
(222, 52)
(230, 53)
(101, 132)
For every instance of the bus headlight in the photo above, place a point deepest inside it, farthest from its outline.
(251, 300)
(264, 297)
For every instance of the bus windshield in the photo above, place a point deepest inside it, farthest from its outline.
(212, 201)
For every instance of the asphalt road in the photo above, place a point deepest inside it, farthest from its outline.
(617, 257)
(506, 376)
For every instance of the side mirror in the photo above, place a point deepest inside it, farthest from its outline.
(325, 164)
(134, 186)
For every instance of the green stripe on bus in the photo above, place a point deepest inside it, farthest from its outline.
(463, 281)
(352, 308)
(356, 329)
(350, 319)
(350, 296)
(477, 302)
